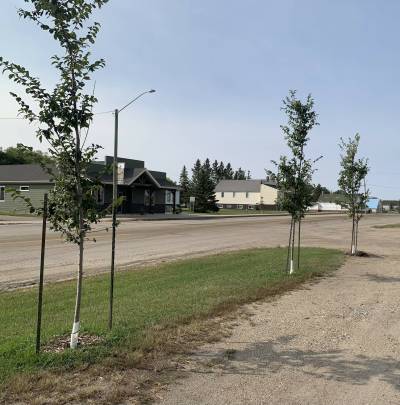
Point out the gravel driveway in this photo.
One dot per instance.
(335, 342)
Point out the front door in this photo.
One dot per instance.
(148, 200)
(122, 208)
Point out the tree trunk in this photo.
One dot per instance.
(289, 245)
(298, 245)
(352, 238)
(292, 248)
(77, 315)
(356, 238)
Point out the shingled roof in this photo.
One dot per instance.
(27, 173)
(251, 186)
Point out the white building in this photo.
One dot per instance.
(327, 206)
(246, 194)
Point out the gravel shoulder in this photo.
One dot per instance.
(334, 342)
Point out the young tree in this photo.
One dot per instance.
(294, 174)
(185, 185)
(63, 116)
(351, 178)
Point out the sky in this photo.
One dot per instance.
(221, 69)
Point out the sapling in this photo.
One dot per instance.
(63, 116)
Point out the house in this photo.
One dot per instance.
(374, 205)
(390, 205)
(144, 190)
(321, 206)
(246, 194)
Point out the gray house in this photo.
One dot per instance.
(144, 190)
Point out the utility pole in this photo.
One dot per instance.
(114, 204)
(114, 218)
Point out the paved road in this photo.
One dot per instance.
(143, 242)
(334, 342)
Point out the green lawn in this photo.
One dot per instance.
(165, 295)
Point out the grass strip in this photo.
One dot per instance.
(158, 296)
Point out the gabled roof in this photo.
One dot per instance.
(139, 172)
(34, 173)
(251, 186)
(26, 173)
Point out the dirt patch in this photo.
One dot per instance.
(61, 343)
(129, 376)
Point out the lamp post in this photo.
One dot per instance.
(114, 207)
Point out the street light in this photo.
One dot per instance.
(115, 196)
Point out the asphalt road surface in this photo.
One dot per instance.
(144, 242)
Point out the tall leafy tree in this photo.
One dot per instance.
(294, 173)
(21, 154)
(63, 116)
(351, 180)
(185, 185)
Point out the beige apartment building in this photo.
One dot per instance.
(246, 194)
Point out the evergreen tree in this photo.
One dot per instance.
(185, 185)
(204, 190)
(221, 171)
(215, 172)
(207, 167)
(239, 174)
(195, 171)
(228, 172)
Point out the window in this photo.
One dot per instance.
(24, 188)
(168, 197)
(222, 194)
(2, 193)
(240, 206)
(247, 194)
(100, 195)
(233, 194)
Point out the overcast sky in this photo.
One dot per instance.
(221, 69)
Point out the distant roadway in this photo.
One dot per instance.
(146, 242)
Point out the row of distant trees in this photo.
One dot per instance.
(22, 154)
(203, 180)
